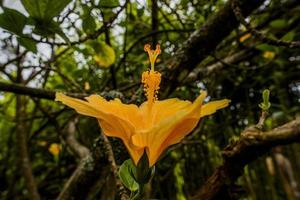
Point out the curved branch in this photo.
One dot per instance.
(69, 135)
(252, 144)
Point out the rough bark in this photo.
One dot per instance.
(24, 158)
(203, 41)
(91, 169)
(252, 144)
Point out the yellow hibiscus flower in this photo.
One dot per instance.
(154, 125)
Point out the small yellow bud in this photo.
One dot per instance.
(54, 149)
(269, 54)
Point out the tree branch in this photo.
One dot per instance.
(69, 136)
(91, 169)
(23, 153)
(252, 144)
(238, 14)
(203, 41)
(33, 92)
(114, 168)
(219, 65)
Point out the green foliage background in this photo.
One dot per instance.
(61, 45)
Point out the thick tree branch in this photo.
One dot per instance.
(91, 169)
(70, 138)
(203, 41)
(218, 66)
(252, 144)
(33, 92)
(237, 11)
(23, 153)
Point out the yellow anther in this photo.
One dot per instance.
(151, 80)
(152, 54)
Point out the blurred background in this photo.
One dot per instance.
(96, 47)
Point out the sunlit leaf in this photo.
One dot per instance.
(104, 54)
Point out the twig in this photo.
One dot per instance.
(262, 119)
(154, 20)
(138, 41)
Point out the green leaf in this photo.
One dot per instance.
(109, 3)
(50, 29)
(44, 9)
(142, 173)
(265, 47)
(28, 43)
(104, 55)
(125, 174)
(289, 36)
(12, 21)
(88, 24)
(265, 105)
(279, 24)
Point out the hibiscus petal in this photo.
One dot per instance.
(80, 106)
(174, 128)
(115, 129)
(112, 124)
(127, 112)
(153, 138)
(213, 106)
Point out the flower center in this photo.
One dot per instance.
(151, 79)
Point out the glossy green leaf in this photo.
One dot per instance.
(125, 174)
(12, 21)
(28, 43)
